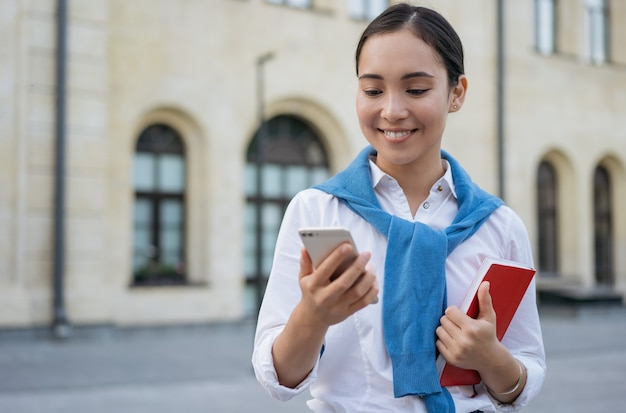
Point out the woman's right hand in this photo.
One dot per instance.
(330, 302)
(323, 303)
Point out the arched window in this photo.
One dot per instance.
(603, 234)
(284, 157)
(159, 177)
(547, 219)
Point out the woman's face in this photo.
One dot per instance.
(403, 99)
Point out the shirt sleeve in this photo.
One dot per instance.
(281, 296)
(265, 372)
(523, 337)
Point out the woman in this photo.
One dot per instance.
(424, 229)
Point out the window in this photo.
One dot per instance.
(298, 4)
(545, 26)
(367, 9)
(547, 208)
(284, 157)
(598, 31)
(159, 209)
(603, 234)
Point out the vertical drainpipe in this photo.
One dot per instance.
(60, 325)
(500, 95)
(260, 161)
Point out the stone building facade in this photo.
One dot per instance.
(174, 193)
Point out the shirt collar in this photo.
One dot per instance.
(446, 180)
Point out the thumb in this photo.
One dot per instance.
(485, 305)
(306, 265)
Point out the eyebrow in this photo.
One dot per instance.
(405, 77)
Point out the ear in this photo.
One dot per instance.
(457, 94)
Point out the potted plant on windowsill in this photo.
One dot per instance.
(155, 273)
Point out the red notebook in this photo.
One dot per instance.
(508, 284)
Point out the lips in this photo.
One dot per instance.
(397, 134)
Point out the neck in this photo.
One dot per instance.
(416, 179)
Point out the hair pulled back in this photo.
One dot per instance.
(425, 24)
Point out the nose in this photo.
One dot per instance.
(394, 107)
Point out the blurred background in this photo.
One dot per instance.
(148, 148)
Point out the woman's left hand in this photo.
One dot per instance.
(466, 342)
(472, 344)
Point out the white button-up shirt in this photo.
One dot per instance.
(354, 373)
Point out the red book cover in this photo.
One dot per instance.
(508, 284)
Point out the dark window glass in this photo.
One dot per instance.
(603, 235)
(284, 157)
(159, 179)
(547, 210)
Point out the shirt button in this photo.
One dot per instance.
(426, 205)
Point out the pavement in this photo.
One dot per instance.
(207, 368)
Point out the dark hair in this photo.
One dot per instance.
(427, 25)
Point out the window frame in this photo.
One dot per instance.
(547, 219)
(159, 140)
(282, 142)
(597, 18)
(604, 247)
(546, 27)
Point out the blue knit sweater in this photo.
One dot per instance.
(414, 294)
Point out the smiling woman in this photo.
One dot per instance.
(403, 108)
(423, 229)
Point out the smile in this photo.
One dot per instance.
(397, 135)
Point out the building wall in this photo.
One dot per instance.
(28, 102)
(193, 66)
(563, 108)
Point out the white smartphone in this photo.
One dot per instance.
(321, 241)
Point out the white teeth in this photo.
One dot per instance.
(396, 135)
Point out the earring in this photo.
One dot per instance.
(454, 107)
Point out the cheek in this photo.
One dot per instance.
(432, 112)
(365, 111)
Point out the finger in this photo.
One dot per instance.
(306, 266)
(449, 326)
(362, 287)
(443, 334)
(485, 305)
(330, 264)
(455, 315)
(370, 297)
(353, 275)
(442, 348)
(376, 288)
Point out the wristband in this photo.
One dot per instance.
(519, 381)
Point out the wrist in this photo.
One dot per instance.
(508, 386)
(307, 323)
(512, 390)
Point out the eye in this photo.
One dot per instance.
(372, 92)
(417, 92)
